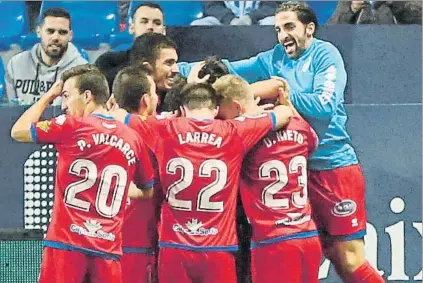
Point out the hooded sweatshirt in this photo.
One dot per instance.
(28, 78)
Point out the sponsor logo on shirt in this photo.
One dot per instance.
(92, 229)
(294, 219)
(194, 228)
(329, 85)
(344, 208)
(306, 65)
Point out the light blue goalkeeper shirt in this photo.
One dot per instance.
(317, 83)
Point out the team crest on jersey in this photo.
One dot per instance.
(44, 126)
(194, 228)
(92, 229)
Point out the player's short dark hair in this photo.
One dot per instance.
(147, 4)
(57, 13)
(197, 96)
(130, 84)
(89, 77)
(147, 47)
(214, 67)
(172, 100)
(304, 12)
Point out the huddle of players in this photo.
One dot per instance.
(198, 161)
(104, 165)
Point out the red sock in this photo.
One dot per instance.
(364, 274)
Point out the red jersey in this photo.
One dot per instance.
(141, 216)
(98, 158)
(140, 226)
(199, 164)
(274, 184)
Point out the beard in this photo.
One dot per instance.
(56, 52)
(297, 46)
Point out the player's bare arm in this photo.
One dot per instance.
(21, 130)
(283, 115)
(276, 87)
(137, 193)
(193, 74)
(269, 89)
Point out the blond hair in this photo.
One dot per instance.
(231, 87)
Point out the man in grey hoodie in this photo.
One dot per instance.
(30, 74)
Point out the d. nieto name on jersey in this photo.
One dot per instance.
(200, 137)
(194, 228)
(92, 229)
(119, 143)
(286, 135)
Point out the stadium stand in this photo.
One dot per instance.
(13, 23)
(323, 9)
(2, 72)
(177, 13)
(93, 30)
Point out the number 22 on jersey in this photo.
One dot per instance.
(186, 169)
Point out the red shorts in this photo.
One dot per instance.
(59, 266)
(291, 261)
(182, 266)
(337, 199)
(138, 267)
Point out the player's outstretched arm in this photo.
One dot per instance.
(283, 115)
(21, 130)
(253, 69)
(328, 88)
(269, 89)
(136, 193)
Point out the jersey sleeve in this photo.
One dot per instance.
(144, 175)
(252, 129)
(142, 127)
(257, 68)
(328, 88)
(313, 141)
(53, 131)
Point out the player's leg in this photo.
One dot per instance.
(216, 267)
(243, 257)
(62, 266)
(337, 198)
(173, 266)
(312, 256)
(103, 270)
(279, 262)
(137, 267)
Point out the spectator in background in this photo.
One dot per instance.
(123, 8)
(377, 12)
(30, 74)
(237, 13)
(33, 8)
(147, 17)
